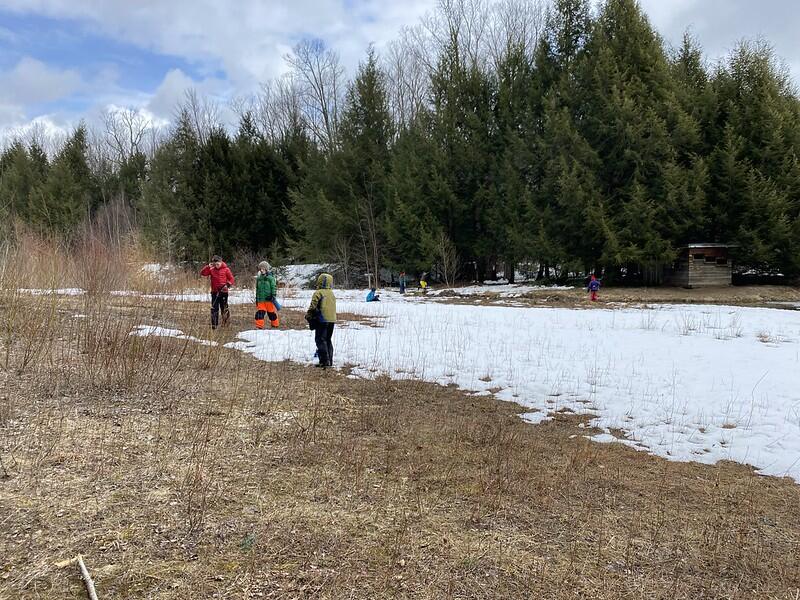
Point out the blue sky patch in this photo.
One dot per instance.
(69, 44)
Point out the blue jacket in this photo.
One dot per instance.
(593, 286)
(371, 296)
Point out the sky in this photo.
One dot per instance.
(66, 60)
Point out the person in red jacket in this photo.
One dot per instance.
(221, 282)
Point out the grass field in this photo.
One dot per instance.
(182, 470)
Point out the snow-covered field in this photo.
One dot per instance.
(686, 382)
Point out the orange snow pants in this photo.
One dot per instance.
(266, 309)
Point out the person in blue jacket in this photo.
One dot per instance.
(594, 286)
(372, 296)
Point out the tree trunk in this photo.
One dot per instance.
(510, 268)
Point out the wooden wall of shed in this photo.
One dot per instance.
(702, 274)
(679, 275)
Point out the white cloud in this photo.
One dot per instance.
(720, 24)
(246, 39)
(172, 91)
(234, 47)
(32, 81)
(48, 129)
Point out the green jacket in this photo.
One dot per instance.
(323, 302)
(266, 287)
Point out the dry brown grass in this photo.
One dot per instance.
(89, 262)
(185, 471)
(610, 297)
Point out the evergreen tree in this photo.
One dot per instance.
(170, 203)
(343, 201)
(462, 128)
(755, 178)
(366, 132)
(70, 193)
(628, 114)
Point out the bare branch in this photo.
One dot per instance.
(320, 78)
(278, 108)
(124, 130)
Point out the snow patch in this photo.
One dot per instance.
(300, 275)
(53, 292)
(685, 382)
(503, 290)
(153, 331)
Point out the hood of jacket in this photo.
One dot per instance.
(325, 281)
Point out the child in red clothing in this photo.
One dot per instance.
(594, 286)
(221, 281)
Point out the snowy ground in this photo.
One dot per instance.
(503, 290)
(300, 275)
(685, 382)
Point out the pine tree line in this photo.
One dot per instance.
(569, 140)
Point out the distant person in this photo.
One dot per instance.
(402, 282)
(266, 292)
(423, 281)
(373, 296)
(593, 288)
(321, 317)
(221, 281)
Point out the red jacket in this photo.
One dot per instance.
(219, 277)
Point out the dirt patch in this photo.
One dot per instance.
(764, 296)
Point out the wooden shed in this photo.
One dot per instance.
(701, 265)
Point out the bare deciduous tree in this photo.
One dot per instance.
(320, 79)
(408, 80)
(463, 21)
(343, 255)
(203, 114)
(368, 231)
(278, 108)
(125, 130)
(447, 256)
(514, 23)
(154, 137)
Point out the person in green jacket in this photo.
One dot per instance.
(321, 317)
(266, 290)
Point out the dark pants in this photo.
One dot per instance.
(219, 302)
(322, 336)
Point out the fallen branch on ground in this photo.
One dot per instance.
(87, 579)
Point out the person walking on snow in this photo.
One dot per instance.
(402, 282)
(321, 317)
(266, 291)
(594, 286)
(221, 281)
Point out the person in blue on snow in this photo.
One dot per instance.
(593, 287)
(372, 296)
